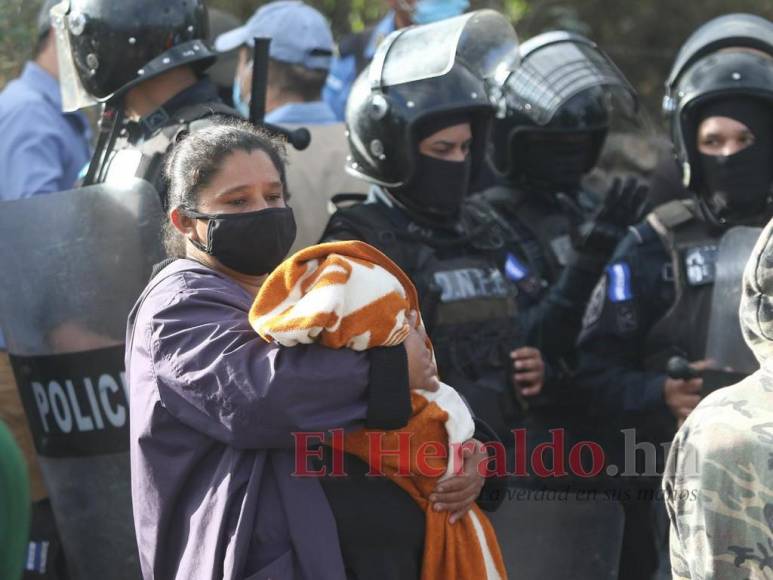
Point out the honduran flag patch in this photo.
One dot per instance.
(515, 269)
(619, 287)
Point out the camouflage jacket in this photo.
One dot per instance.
(718, 481)
(719, 486)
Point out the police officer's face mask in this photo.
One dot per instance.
(439, 186)
(737, 187)
(251, 243)
(559, 162)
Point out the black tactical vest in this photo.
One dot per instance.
(547, 244)
(693, 246)
(468, 304)
(146, 159)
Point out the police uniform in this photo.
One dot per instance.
(655, 299)
(651, 304)
(470, 279)
(540, 170)
(551, 317)
(142, 148)
(559, 224)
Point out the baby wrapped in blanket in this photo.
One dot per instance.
(350, 295)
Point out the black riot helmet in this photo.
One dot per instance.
(105, 47)
(730, 56)
(554, 110)
(417, 74)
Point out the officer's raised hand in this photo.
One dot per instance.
(624, 205)
(528, 370)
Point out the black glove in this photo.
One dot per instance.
(624, 205)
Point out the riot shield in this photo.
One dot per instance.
(73, 264)
(546, 534)
(725, 344)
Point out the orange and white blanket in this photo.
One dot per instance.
(350, 295)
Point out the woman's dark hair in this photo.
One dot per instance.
(197, 157)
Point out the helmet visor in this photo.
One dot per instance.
(483, 40)
(552, 75)
(74, 96)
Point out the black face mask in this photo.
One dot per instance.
(559, 164)
(438, 187)
(739, 185)
(252, 243)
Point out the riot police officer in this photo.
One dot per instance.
(660, 278)
(145, 61)
(656, 297)
(417, 123)
(554, 116)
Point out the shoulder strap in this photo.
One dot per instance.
(364, 220)
(344, 200)
(193, 118)
(370, 223)
(669, 216)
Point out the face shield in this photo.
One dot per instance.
(74, 96)
(484, 41)
(555, 72)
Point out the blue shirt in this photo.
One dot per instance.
(312, 113)
(343, 70)
(43, 149)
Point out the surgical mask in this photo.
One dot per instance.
(438, 188)
(252, 243)
(426, 11)
(241, 106)
(738, 186)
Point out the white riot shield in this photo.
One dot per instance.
(725, 344)
(73, 264)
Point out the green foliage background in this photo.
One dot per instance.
(642, 36)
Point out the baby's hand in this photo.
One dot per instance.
(422, 373)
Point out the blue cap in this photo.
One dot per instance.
(299, 34)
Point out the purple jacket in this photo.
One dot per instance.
(212, 412)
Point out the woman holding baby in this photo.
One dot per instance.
(214, 407)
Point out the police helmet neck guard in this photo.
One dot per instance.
(105, 47)
(565, 84)
(729, 56)
(419, 73)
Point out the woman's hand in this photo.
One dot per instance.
(457, 494)
(422, 372)
(528, 370)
